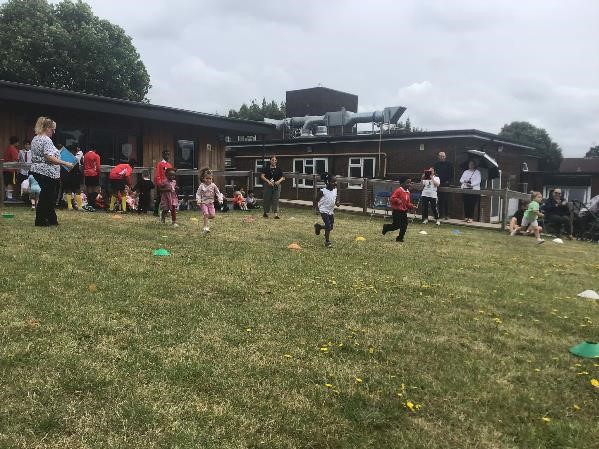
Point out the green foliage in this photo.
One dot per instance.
(259, 112)
(66, 46)
(219, 345)
(593, 152)
(527, 134)
(407, 127)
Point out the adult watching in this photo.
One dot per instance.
(444, 170)
(45, 168)
(272, 177)
(557, 214)
(470, 180)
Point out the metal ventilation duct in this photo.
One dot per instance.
(338, 118)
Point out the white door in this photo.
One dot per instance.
(496, 200)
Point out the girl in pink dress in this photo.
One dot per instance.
(168, 197)
(206, 195)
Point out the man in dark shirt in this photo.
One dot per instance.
(444, 170)
(272, 177)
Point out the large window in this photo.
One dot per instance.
(579, 193)
(360, 167)
(185, 154)
(309, 167)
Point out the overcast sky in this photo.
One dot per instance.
(453, 63)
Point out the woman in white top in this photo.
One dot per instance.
(430, 182)
(45, 168)
(470, 180)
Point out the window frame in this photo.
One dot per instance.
(258, 166)
(301, 183)
(566, 191)
(360, 165)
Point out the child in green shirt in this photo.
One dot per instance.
(532, 213)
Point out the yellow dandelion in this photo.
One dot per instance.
(249, 329)
(328, 385)
(595, 383)
(358, 380)
(546, 419)
(576, 407)
(324, 349)
(410, 405)
(287, 355)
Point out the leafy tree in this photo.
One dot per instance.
(593, 152)
(527, 134)
(66, 46)
(258, 113)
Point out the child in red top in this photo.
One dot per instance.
(168, 197)
(119, 177)
(239, 201)
(160, 177)
(401, 203)
(11, 154)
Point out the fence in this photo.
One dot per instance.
(367, 186)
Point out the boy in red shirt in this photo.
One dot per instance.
(160, 177)
(91, 173)
(401, 203)
(119, 177)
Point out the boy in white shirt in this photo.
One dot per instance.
(326, 207)
(430, 182)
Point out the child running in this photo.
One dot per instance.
(401, 203)
(326, 207)
(532, 213)
(168, 197)
(34, 191)
(206, 194)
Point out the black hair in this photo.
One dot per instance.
(174, 170)
(403, 179)
(132, 162)
(26, 141)
(92, 146)
(13, 140)
(326, 177)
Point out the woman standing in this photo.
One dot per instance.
(272, 177)
(470, 180)
(45, 168)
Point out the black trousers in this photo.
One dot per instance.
(443, 204)
(470, 203)
(425, 200)
(400, 221)
(557, 222)
(45, 215)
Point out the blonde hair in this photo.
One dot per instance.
(43, 123)
(534, 194)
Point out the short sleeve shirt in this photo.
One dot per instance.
(42, 146)
(271, 173)
(532, 211)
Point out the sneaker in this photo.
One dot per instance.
(425, 221)
(384, 231)
(264, 215)
(540, 241)
(399, 239)
(205, 229)
(328, 244)
(438, 223)
(175, 225)
(316, 229)
(277, 217)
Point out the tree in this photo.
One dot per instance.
(66, 46)
(593, 152)
(259, 113)
(528, 134)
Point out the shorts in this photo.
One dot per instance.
(328, 219)
(526, 223)
(92, 181)
(208, 209)
(71, 182)
(9, 178)
(117, 185)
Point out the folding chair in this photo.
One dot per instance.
(381, 202)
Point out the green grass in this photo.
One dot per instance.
(235, 341)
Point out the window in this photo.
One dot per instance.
(258, 170)
(578, 193)
(185, 154)
(360, 167)
(309, 167)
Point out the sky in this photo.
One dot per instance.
(455, 64)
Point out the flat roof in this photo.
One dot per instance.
(424, 135)
(27, 93)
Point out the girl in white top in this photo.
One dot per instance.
(326, 206)
(470, 179)
(430, 182)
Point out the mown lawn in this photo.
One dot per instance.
(235, 341)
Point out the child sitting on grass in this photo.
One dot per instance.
(239, 201)
(532, 213)
(401, 203)
(326, 207)
(206, 195)
(168, 197)
(250, 201)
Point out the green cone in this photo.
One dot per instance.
(161, 252)
(7, 215)
(587, 349)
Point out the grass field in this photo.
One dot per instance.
(235, 341)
